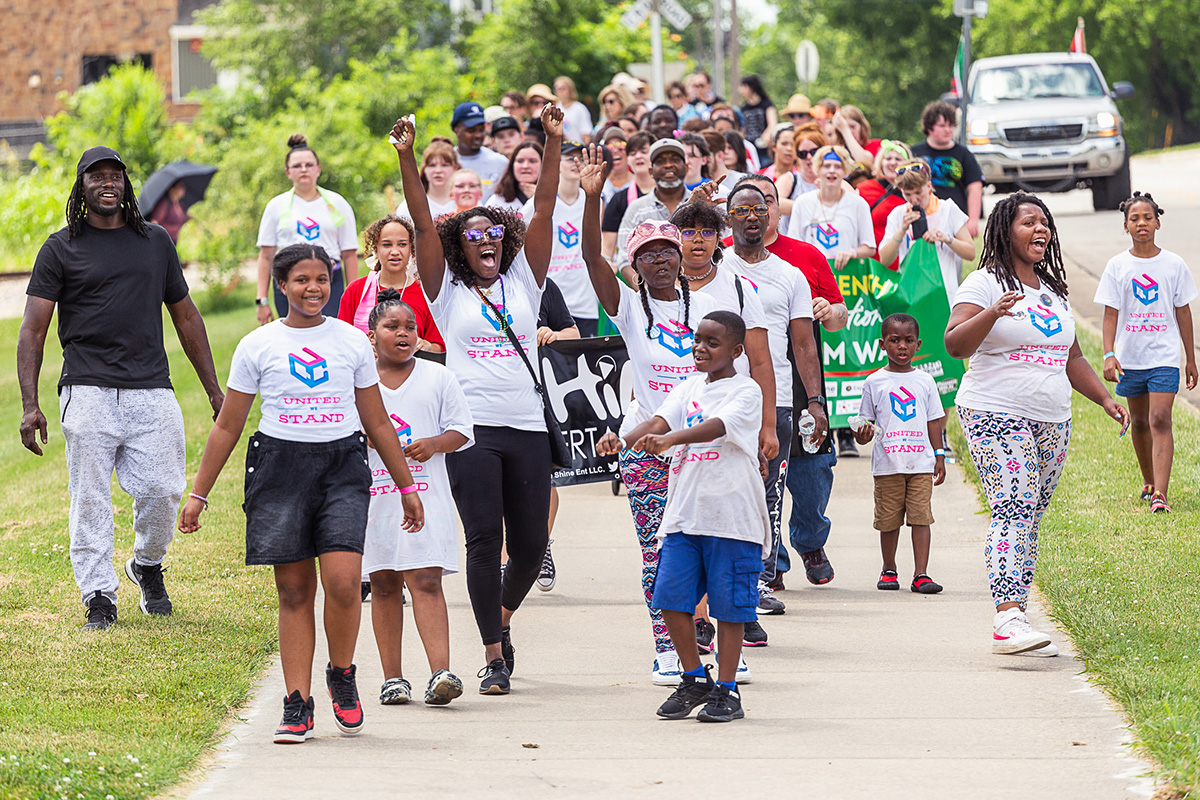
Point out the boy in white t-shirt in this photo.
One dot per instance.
(907, 411)
(715, 529)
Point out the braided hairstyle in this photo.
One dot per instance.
(77, 209)
(997, 247)
(687, 302)
(293, 254)
(386, 300)
(450, 230)
(1140, 197)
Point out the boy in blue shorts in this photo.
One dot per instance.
(715, 530)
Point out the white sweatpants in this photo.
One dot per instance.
(138, 433)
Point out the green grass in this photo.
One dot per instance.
(1125, 583)
(124, 712)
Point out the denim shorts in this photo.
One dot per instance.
(304, 499)
(727, 570)
(1137, 382)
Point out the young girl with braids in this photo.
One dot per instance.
(1145, 291)
(657, 323)
(1012, 319)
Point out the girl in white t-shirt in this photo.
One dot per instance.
(483, 271)
(439, 162)
(430, 416)
(1146, 291)
(307, 481)
(834, 219)
(945, 228)
(1012, 319)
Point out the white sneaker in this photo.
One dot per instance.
(1049, 651)
(666, 669)
(743, 671)
(1012, 634)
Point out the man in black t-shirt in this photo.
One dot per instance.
(109, 272)
(954, 172)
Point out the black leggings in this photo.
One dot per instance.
(501, 484)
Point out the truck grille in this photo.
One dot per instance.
(1044, 133)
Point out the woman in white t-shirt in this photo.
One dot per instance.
(945, 225)
(518, 183)
(577, 120)
(307, 214)
(834, 218)
(1012, 319)
(483, 272)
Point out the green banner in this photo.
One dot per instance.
(873, 291)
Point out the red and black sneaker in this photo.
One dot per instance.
(1148, 492)
(888, 581)
(1158, 504)
(923, 584)
(297, 724)
(347, 709)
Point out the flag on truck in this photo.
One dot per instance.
(1078, 45)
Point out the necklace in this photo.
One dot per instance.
(827, 213)
(692, 278)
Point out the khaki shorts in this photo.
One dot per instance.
(903, 496)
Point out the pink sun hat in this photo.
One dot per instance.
(652, 230)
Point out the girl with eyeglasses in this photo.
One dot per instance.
(483, 271)
(880, 192)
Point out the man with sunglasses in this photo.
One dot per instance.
(668, 165)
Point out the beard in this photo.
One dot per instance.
(675, 184)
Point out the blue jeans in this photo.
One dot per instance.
(810, 481)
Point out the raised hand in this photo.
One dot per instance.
(592, 170)
(552, 120)
(403, 135)
(704, 193)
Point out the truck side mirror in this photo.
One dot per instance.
(1123, 90)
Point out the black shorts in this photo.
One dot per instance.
(304, 499)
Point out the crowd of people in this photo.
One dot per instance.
(710, 236)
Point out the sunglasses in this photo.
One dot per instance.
(692, 233)
(914, 166)
(759, 209)
(805, 155)
(492, 234)
(647, 228)
(617, 145)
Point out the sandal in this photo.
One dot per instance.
(1147, 492)
(923, 584)
(1158, 504)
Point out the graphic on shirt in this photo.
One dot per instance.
(1146, 293)
(568, 235)
(309, 228)
(1045, 320)
(490, 316)
(695, 415)
(311, 373)
(944, 170)
(753, 285)
(904, 406)
(403, 430)
(827, 235)
(675, 337)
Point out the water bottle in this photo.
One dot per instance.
(859, 423)
(807, 427)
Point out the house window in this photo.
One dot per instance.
(96, 67)
(191, 71)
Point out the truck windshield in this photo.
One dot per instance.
(1035, 81)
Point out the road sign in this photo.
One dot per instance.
(675, 14)
(971, 8)
(807, 62)
(636, 14)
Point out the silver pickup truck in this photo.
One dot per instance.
(1048, 122)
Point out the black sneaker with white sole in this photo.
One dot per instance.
(343, 691)
(506, 649)
(706, 632)
(495, 677)
(101, 612)
(297, 724)
(148, 578)
(691, 692)
(724, 705)
(547, 576)
(768, 603)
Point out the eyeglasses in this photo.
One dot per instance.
(759, 209)
(661, 257)
(912, 166)
(805, 154)
(492, 234)
(692, 233)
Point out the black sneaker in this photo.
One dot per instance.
(506, 649)
(923, 584)
(149, 581)
(495, 677)
(768, 603)
(297, 724)
(817, 568)
(776, 584)
(102, 612)
(754, 635)
(547, 576)
(847, 447)
(691, 692)
(724, 705)
(888, 581)
(343, 690)
(705, 633)
(366, 590)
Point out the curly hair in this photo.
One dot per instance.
(701, 216)
(997, 247)
(293, 254)
(1141, 197)
(450, 230)
(371, 234)
(385, 301)
(77, 209)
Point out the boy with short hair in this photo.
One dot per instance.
(907, 411)
(715, 529)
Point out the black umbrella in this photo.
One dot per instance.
(195, 177)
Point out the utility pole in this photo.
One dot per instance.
(656, 56)
(718, 68)
(734, 51)
(966, 70)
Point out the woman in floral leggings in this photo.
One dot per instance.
(1012, 319)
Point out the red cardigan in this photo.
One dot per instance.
(426, 328)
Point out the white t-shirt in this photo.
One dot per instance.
(948, 219)
(715, 488)
(1021, 366)
(429, 403)
(785, 296)
(498, 387)
(514, 205)
(664, 360)
(723, 289)
(306, 376)
(902, 404)
(577, 122)
(488, 165)
(308, 222)
(831, 230)
(566, 262)
(1145, 292)
(436, 209)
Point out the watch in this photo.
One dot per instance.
(817, 398)
(263, 301)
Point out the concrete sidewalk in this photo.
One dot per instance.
(860, 693)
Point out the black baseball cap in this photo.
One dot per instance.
(94, 156)
(571, 146)
(505, 124)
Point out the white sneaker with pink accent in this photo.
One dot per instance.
(1012, 634)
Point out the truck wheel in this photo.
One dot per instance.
(1108, 193)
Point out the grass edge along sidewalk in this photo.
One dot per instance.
(128, 712)
(1125, 583)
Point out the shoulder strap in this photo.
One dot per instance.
(512, 337)
(886, 192)
(737, 284)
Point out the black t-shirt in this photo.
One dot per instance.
(553, 313)
(614, 212)
(110, 286)
(800, 395)
(951, 171)
(755, 119)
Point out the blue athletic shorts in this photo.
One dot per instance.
(1137, 382)
(727, 570)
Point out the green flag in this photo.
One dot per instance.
(958, 83)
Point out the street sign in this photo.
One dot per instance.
(807, 62)
(971, 8)
(636, 14)
(675, 14)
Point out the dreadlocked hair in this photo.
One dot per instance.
(1141, 197)
(997, 247)
(385, 301)
(77, 210)
(293, 254)
(684, 289)
(450, 231)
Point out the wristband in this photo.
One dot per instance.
(195, 496)
(1109, 354)
(412, 487)
(262, 302)
(939, 453)
(621, 441)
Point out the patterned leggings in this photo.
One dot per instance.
(1019, 462)
(645, 479)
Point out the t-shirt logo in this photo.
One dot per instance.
(1045, 320)
(568, 235)
(403, 430)
(313, 372)
(674, 337)
(827, 236)
(490, 316)
(1147, 292)
(695, 415)
(309, 228)
(944, 170)
(904, 405)
(753, 285)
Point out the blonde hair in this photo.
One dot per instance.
(624, 96)
(884, 148)
(572, 93)
(855, 113)
(913, 180)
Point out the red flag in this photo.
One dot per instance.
(1077, 43)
